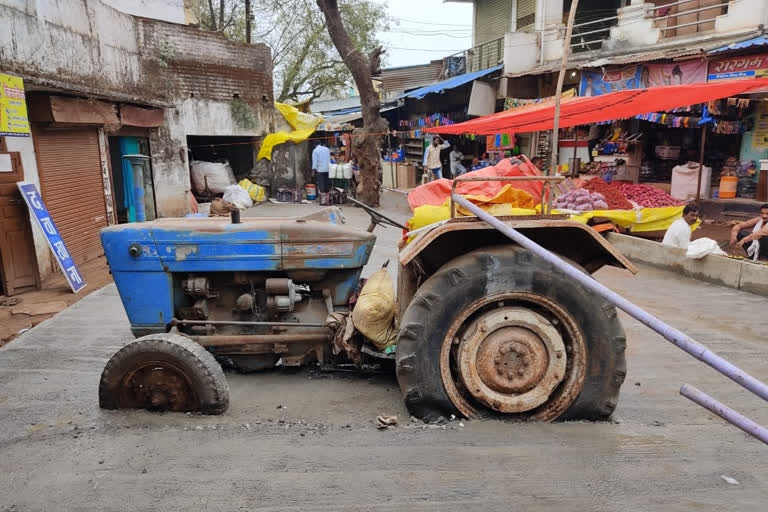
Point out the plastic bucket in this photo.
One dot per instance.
(728, 186)
(311, 191)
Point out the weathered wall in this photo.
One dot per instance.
(164, 10)
(73, 44)
(206, 73)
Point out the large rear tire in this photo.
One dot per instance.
(501, 331)
(166, 372)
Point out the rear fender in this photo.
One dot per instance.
(429, 251)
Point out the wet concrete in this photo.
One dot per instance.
(307, 441)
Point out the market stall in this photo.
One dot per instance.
(625, 202)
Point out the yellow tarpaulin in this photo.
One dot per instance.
(303, 126)
(509, 202)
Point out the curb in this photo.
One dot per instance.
(719, 270)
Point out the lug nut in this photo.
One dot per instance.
(511, 375)
(559, 355)
(520, 372)
(497, 360)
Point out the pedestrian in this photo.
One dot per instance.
(756, 240)
(455, 157)
(321, 162)
(679, 233)
(433, 156)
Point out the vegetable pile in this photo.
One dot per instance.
(646, 195)
(613, 196)
(581, 200)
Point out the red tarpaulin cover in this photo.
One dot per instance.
(593, 109)
(436, 192)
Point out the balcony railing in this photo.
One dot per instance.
(482, 56)
(589, 35)
(688, 17)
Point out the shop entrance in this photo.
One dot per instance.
(122, 176)
(18, 263)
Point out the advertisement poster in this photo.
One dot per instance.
(596, 83)
(674, 73)
(13, 108)
(760, 133)
(730, 68)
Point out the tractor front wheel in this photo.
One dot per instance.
(500, 331)
(165, 372)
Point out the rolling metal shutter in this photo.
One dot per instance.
(493, 19)
(69, 164)
(526, 15)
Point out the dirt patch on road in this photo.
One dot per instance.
(25, 310)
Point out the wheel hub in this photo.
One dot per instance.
(158, 385)
(511, 359)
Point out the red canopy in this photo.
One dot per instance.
(593, 109)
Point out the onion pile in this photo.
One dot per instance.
(580, 200)
(613, 196)
(647, 195)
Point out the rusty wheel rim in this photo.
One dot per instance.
(514, 353)
(157, 385)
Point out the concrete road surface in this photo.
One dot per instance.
(307, 441)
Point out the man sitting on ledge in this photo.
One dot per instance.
(679, 233)
(752, 235)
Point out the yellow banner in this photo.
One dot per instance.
(13, 108)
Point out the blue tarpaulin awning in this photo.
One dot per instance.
(755, 41)
(452, 82)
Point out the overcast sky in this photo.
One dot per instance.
(425, 30)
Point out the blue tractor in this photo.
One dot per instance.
(485, 327)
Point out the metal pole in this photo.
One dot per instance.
(701, 162)
(669, 333)
(558, 95)
(725, 412)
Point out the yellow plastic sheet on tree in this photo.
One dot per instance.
(303, 125)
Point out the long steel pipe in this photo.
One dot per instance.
(678, 338)
(725, 412)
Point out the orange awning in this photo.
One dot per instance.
(593, 109)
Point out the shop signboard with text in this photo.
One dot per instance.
(734, 68)
(13, 107)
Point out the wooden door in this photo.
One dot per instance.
(17, 250)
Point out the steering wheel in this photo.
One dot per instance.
(376, 217)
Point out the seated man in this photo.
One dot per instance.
(752, 235)
(679, 233)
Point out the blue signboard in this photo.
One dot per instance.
(56, 243)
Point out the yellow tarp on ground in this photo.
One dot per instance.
(303, 126)
(510, 201)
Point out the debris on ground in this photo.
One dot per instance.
(730, 480)
(44, 308)
(384, 422)
(10, 301)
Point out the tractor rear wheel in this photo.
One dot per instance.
(500, 331)
(165, 372)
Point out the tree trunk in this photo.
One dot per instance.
(365, 140)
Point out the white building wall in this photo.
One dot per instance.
(163, 10)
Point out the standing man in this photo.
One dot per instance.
(433, 156)
(679, 233)
(455, 157)
(321, 161)
(754, 241)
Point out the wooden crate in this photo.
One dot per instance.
(406, 176)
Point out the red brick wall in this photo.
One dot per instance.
(207, 65)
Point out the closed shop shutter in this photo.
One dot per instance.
(69, 164)
(526, 15)
(493, 19)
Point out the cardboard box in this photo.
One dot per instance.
(406, 176)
